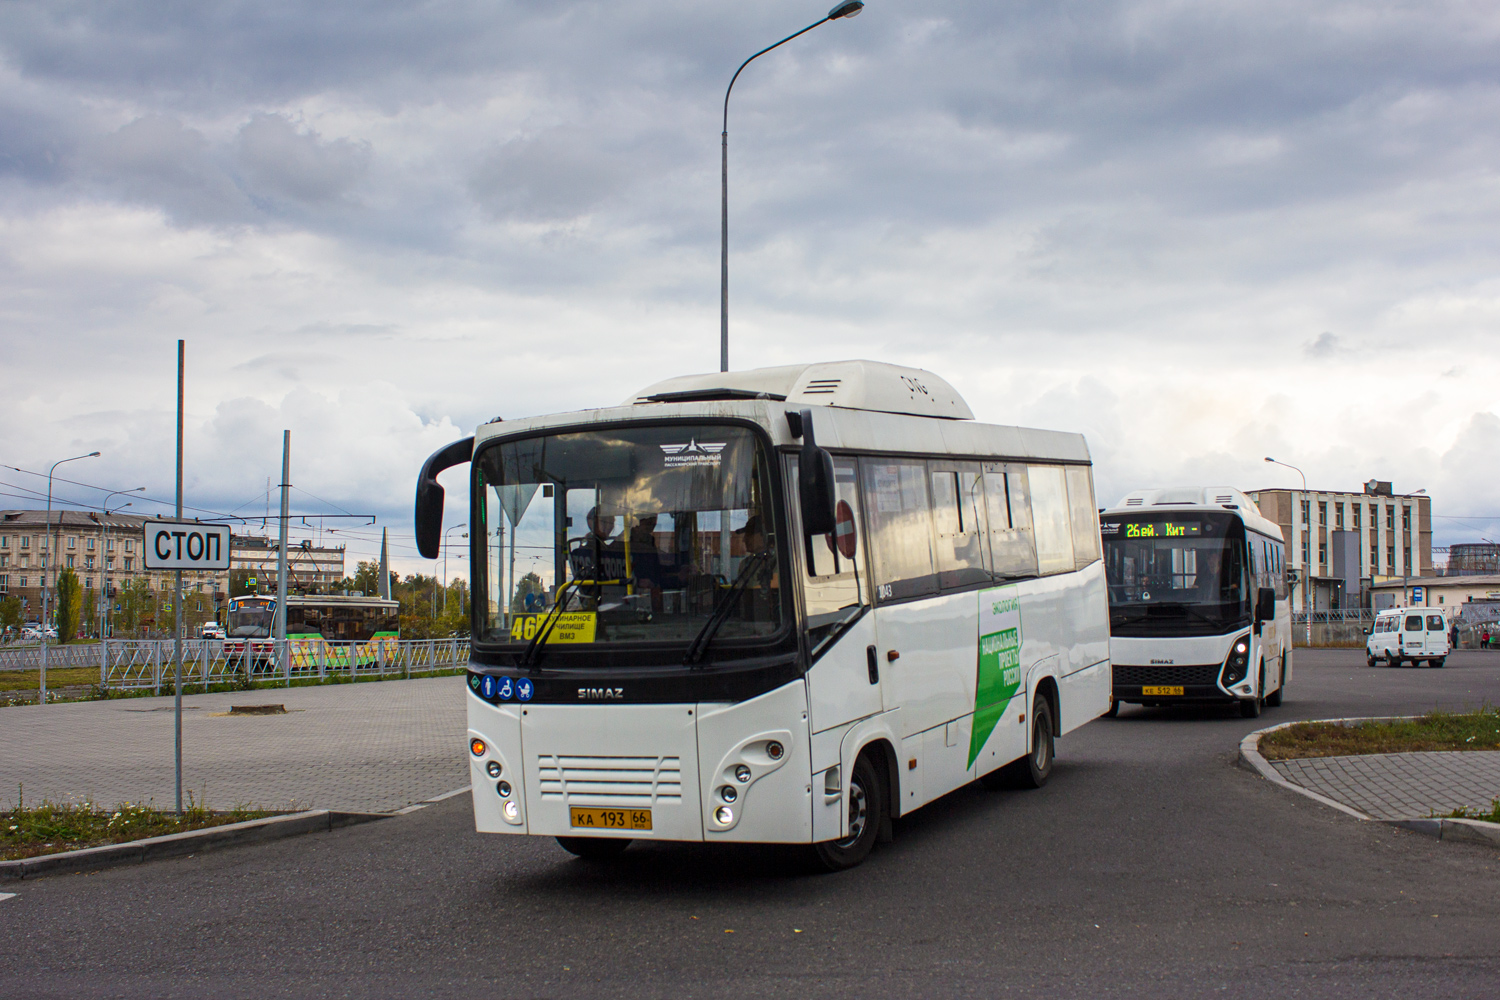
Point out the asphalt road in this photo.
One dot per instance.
(1151, 865)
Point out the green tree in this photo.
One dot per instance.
(136, 604)
(10, 612)
(69, 604)
(367, 579)
(90, 612)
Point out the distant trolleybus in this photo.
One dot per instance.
(1197, 600)
(327, 629)
(782, 605)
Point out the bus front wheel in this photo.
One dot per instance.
(594, 848)
(865, 799)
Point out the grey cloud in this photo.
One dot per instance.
(279, 160)
(1325, 345)
(158, 160)
(556, 175)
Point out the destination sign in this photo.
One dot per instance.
(1164, 529)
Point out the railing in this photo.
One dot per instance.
(139, 664)
(1358, 616)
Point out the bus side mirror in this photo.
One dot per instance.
(815, 482)
(1265, 604)
(429, 511)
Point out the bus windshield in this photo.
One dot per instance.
(250, 618)
(1177, 574)
(645, 534)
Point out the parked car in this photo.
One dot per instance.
(31, 631)
(1402, 634)
(211, 630)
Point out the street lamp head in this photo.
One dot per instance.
(1270, 459)
(850, 9)
(92, 454)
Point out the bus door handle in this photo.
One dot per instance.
(874, 667)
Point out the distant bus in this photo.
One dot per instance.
(1198, 605)
(329, 626)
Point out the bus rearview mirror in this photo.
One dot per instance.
(1265, 604)
(815, 482)
(429, 509)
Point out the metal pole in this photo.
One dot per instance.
(843, 10)
(49, 565)
(177, 606)
(286, 485)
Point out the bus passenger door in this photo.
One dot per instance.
(845, 679)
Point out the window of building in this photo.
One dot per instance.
(1307, 512)
(1322, 515)
(1406, 520)
(23, 581)
(1406, 559)
(1355, 509)
(109, 546)
(25, 541)
(4, 541)
(129, 563)
(1374, 558)
(88, 562)
(1322, 553)
(4, 581)
(1338, 516)
(1390, 558)
(1390, 519)
(129, 545)
(25, 561)
(70, 562)
(72, 541)
(1306, 548)
(88, 583)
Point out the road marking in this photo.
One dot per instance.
(7, 895)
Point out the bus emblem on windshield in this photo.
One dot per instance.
(692, 453)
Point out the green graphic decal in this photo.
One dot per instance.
(999, 668)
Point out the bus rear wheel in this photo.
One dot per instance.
(594, 848)
(1033, 770)
(865, 799)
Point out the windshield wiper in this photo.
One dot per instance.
(529, 657)
(705, 635)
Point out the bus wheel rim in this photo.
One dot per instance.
(858, 814)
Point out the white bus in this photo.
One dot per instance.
(1197, 600)
(783, 605)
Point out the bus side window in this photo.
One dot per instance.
(1008, 500)
(1049, 518)
(1084, 515)
(958, 520)
(834, 588)
(895, 494)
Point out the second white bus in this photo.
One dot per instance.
(1197, 599)
(782, 605)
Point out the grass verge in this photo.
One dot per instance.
(32, 831)
(1437, 730)
(1490, 816)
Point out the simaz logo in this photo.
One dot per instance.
(1162, 663)
(601, 694)
(692, 453)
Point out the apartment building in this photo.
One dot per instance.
(1337, 539)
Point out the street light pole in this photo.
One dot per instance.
(49, 565)
(453, 527)
(1293, 468)
(104, 554)
(850, 8)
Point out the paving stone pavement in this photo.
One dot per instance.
(1401, 785)
(372, 747)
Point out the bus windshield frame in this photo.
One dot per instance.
(1176, 573)
(658, 530)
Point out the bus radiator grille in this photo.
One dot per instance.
(611, 781)
(1131, 676)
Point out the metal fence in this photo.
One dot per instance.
(139, 664)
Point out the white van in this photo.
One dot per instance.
(1408, 634)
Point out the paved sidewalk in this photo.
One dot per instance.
(371, 747)
(1401, 785)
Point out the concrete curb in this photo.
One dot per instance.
(215, 838)
(1472, 831)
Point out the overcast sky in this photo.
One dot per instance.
(1199, 233)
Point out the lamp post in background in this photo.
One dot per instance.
(49, 565)
(104, 553)
(1293, 468)
(850, 8)
(453, 527)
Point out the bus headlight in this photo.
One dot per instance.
(493, 768)
(724, 815)
(1237, 664)
(511, 810)
(504, 789)
(728, 794)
